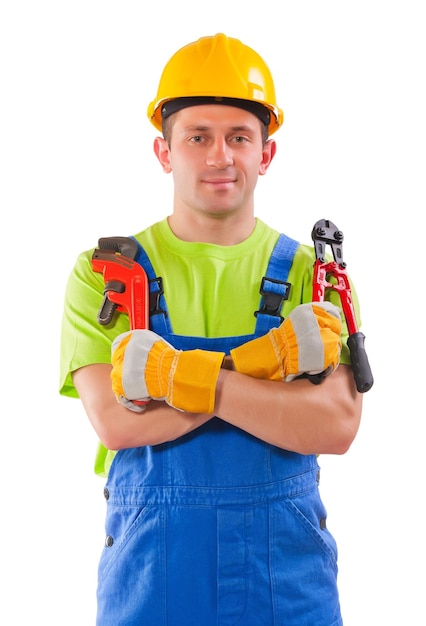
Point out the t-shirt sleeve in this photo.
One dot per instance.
(83, 340)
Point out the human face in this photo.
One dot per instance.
(216, 156)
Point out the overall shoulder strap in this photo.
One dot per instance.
(274, 288)
(159, 320)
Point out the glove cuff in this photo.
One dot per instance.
(186, 379)
(193, 382)
(259, 358)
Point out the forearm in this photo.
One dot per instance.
(297, 416)
(116, 426)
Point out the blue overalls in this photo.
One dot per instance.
(217, 528)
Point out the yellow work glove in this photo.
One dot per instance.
(145, 366)
(307, 342)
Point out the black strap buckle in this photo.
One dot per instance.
(274, 293)
(154, 297)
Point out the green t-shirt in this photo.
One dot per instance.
(210, 290)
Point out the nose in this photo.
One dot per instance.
(219, 154)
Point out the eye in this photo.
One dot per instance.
(239, 139)
(196, 139)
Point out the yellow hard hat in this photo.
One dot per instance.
(217, 69)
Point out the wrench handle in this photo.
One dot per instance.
(359, 361)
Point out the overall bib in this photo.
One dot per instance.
(217, 528)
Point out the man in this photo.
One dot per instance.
(209, 423)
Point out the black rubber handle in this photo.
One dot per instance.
(359, 361)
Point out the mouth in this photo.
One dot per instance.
(219, 182)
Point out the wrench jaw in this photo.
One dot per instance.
(125, 246)
(108, 306)
(326, 233)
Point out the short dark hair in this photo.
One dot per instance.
(258, 109)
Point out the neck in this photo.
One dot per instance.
(221, 230)
(217, 231)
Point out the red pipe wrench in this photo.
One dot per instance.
(126, 283)
(325, 232)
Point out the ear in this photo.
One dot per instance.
(162, 152)
(268, 153)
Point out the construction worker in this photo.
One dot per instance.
(209, 423)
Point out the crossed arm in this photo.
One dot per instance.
(297, 416)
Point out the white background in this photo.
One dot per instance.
(77, 164)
